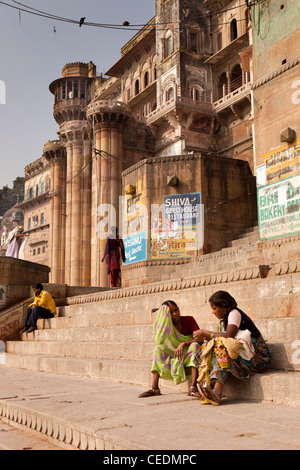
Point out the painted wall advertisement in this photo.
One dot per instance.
(282, 162)
(12, 320)
(279, 208)
(135, 239)
(176, 231)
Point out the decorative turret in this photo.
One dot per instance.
(72, 92)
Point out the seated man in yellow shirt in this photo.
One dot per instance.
(42, 307)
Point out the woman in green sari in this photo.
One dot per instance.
(175, 349)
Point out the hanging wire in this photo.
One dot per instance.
(129, 27)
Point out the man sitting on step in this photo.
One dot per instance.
(42, 307)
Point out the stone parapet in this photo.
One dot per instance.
(108, 111)
(248, 278)
(15, 277)
(18, 272)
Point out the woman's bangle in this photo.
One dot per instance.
(212, 335)
(187, 343)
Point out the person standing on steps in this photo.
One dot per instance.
(175, 349)
(42, 307)
(114, 250)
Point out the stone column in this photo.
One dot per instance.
(78, 206)
(76, 212)
(68, 255)
(107, 119)
(86, 212)
(55, 154)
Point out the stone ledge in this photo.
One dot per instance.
(282, 268)
(65, 434)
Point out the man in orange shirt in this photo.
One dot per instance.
(42, 307)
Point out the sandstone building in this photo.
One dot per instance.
(173, 120)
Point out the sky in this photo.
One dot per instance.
(33, 51)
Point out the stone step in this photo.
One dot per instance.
(239, 254)
(249, 239)
(284, 354)
(272, 329)
(95, 313)
(121, 333)
(272, 386)
(64, 328)
(131, 372)
(92, 341)
(282, 388)
(253, 229)
(252, 292)
(118, 351)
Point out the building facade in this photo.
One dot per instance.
(276, 93)
(174, 120)
(36, 210)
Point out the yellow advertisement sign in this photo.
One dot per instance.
(175, 231)
(282, 162)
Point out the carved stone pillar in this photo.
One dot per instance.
(86, 212)
(76, 138)
(107, 119)
(56, 155)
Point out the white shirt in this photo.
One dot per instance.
(234, 318)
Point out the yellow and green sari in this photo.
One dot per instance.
(167, 340)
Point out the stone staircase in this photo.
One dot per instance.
(108, 335)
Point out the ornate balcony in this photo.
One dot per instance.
(201, 106)
(233, 97)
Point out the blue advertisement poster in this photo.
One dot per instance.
(135, 240)
(135, 247)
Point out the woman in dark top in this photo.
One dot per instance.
(175, 349)
(253, 354)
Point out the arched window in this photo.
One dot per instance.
(137, 87)
(47, 183)
(222, 86)
(170, 94)
(82, 90)
(168, 44)
(127, 93)
(146, 79)
(30, 192)
(233, 29)
(63, 91)
(70, 92)
(194, 41)
(196, 93)
(219, 41)
(236, 78)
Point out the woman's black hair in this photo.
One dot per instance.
(223, 299)
(170, 302)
